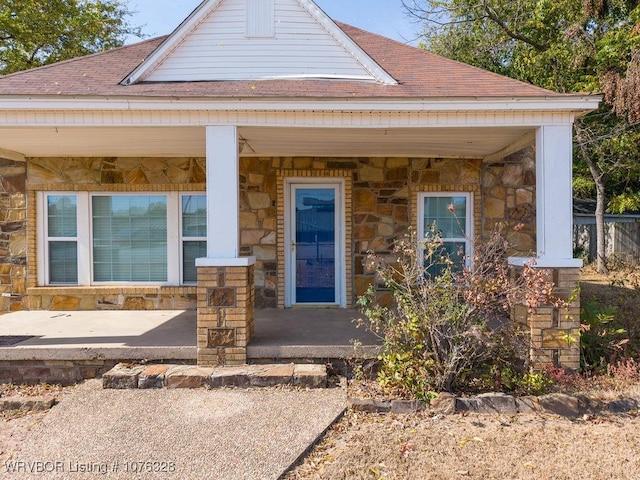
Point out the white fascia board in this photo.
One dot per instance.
(174, 39)
(576, 104)
(347, 43)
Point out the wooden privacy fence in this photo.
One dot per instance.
(622, 240)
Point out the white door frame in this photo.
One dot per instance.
(289, 224)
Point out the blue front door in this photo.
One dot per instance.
(314, 229)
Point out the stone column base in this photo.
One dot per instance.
(225, 314)
(555, 332)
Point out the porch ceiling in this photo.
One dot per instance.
(463, 142)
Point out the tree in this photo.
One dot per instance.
(607, 166)
(565, 46)
(38, 32)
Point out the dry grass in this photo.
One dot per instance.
(619, 288)
(421, 446)
(11, 390)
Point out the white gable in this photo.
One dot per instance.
(258, 40)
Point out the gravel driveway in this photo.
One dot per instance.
(185, 434)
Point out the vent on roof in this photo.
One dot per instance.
(260, 18)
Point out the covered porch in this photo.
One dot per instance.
(380, 167)
(46, 336)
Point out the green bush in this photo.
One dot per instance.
(601, 339)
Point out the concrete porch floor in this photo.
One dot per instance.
(280, 335)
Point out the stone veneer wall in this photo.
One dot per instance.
(384, 205)
(509, 197)
(111, 175)
(13, 235)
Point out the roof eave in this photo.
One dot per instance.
(579, 104)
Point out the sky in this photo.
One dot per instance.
(385, 17)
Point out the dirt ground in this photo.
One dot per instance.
(14, 430)
(15, 425)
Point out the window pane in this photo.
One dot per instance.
(191, 251)
(130, 238)
(450, 224)
(63, 262)
(450, 254)
(62, 215)
(194, 216)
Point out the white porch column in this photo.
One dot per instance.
(550, 326)
(223, 239)
(225, 280)
(223, 205)
(554, 198)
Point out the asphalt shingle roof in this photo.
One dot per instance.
(420, 74)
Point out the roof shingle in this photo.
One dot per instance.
(420, 74)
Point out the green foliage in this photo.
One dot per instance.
(601, 338)
(583, 186)
(624, 202)
(528, 383)
(34, 32)
(534, 383)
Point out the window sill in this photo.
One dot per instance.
(111, 290)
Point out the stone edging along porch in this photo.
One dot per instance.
(571, 406)
(133, 376)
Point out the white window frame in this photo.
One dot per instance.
(184, 239)
(82, 237)
(85, 235)
(469, 220)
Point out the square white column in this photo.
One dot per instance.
(554, 198)
(223, 203)
(223, 239)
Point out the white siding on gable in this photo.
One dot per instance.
(220, 49)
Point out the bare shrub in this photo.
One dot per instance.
(449, 322)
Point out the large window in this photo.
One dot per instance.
(100, 238)
(129, 238)
(450, 216)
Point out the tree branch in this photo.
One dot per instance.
(492, 15)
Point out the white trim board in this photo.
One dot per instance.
(320, 119)
(560, 104)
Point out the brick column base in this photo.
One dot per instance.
(555, 332)
(225, 314)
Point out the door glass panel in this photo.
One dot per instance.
(315, 239)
